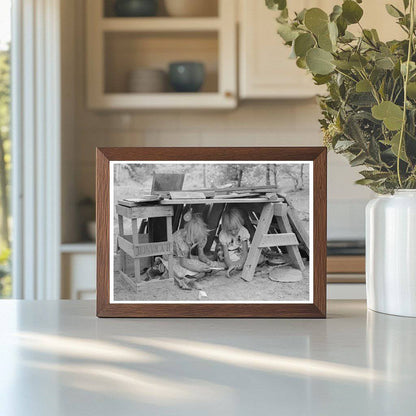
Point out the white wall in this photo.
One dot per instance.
(266, 123)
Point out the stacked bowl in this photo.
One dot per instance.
(147, 80)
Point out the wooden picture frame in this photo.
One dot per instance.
(315, 307)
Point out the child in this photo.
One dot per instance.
(186, 268)
(234, 239)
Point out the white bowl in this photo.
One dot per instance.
(146, 80)
(191, 8)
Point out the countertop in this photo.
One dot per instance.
(57, 358)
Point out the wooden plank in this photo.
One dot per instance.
(346, 264)
(153, 249)
(136, 261)
(128, 280)
(301, 232)
(345, 278)
(280, 209)
(187, 195)
(170, 241)
(254, 252)
(126, 246)
(148, 211)
(293, 251)
(216, 201)
(123, 262)
(275, 240)
(262, 189)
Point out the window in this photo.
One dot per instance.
(5, 147)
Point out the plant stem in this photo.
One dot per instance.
(406, 80)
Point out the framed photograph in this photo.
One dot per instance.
(211, 232)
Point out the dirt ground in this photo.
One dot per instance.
(218, 287)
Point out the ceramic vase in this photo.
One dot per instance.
(391, 253)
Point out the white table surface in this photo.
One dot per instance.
(56, 358)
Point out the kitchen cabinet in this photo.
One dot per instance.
(116, 46)
(265, 70)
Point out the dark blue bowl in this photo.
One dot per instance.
(186, 76)
(136, 8)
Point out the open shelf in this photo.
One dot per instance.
(211, 9)
(128, 51)
(160, 24)
(116, 46)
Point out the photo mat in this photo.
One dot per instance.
(206, 195)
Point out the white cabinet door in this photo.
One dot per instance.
(265, 68)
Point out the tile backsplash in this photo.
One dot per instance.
(285, 123)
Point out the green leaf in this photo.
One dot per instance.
(343, 145)
(319, 61)
(411, 90)
(358, 61)
(300, 17)
(303, 43)
(406, 4)
(363, 86)
(393, 11)
(316, 20)
(321, 79)
(391, 114)
(394, 144)
(336, 12)
(276, 4)
(364, 181)
(286, 32)
(375, 35)
(325, 43)
(374, 175)
(348, 37)
(358, 160)
(343, 65)
(385, 63)
(301, 63)
(342, 25)
(351, 11)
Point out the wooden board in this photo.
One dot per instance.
(186, 195)
(153, 249)
(254, 252)
(275, 240)
(153, 211)
(346, 264)
(215, 201)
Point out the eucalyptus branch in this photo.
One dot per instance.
(406, 80)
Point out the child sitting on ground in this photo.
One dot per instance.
(234, 240)
(186, 268)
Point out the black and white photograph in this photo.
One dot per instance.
(219, 232)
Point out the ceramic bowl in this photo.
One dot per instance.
(136, 8)
(191, 8)
(147, 80)
(186, 76)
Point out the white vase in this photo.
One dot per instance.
(391, 253)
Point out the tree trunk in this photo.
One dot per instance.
(267, 175)
(302, 184)
(4, 196)
(240, 177)
(204, 167)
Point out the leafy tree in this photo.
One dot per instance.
(5, 160)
